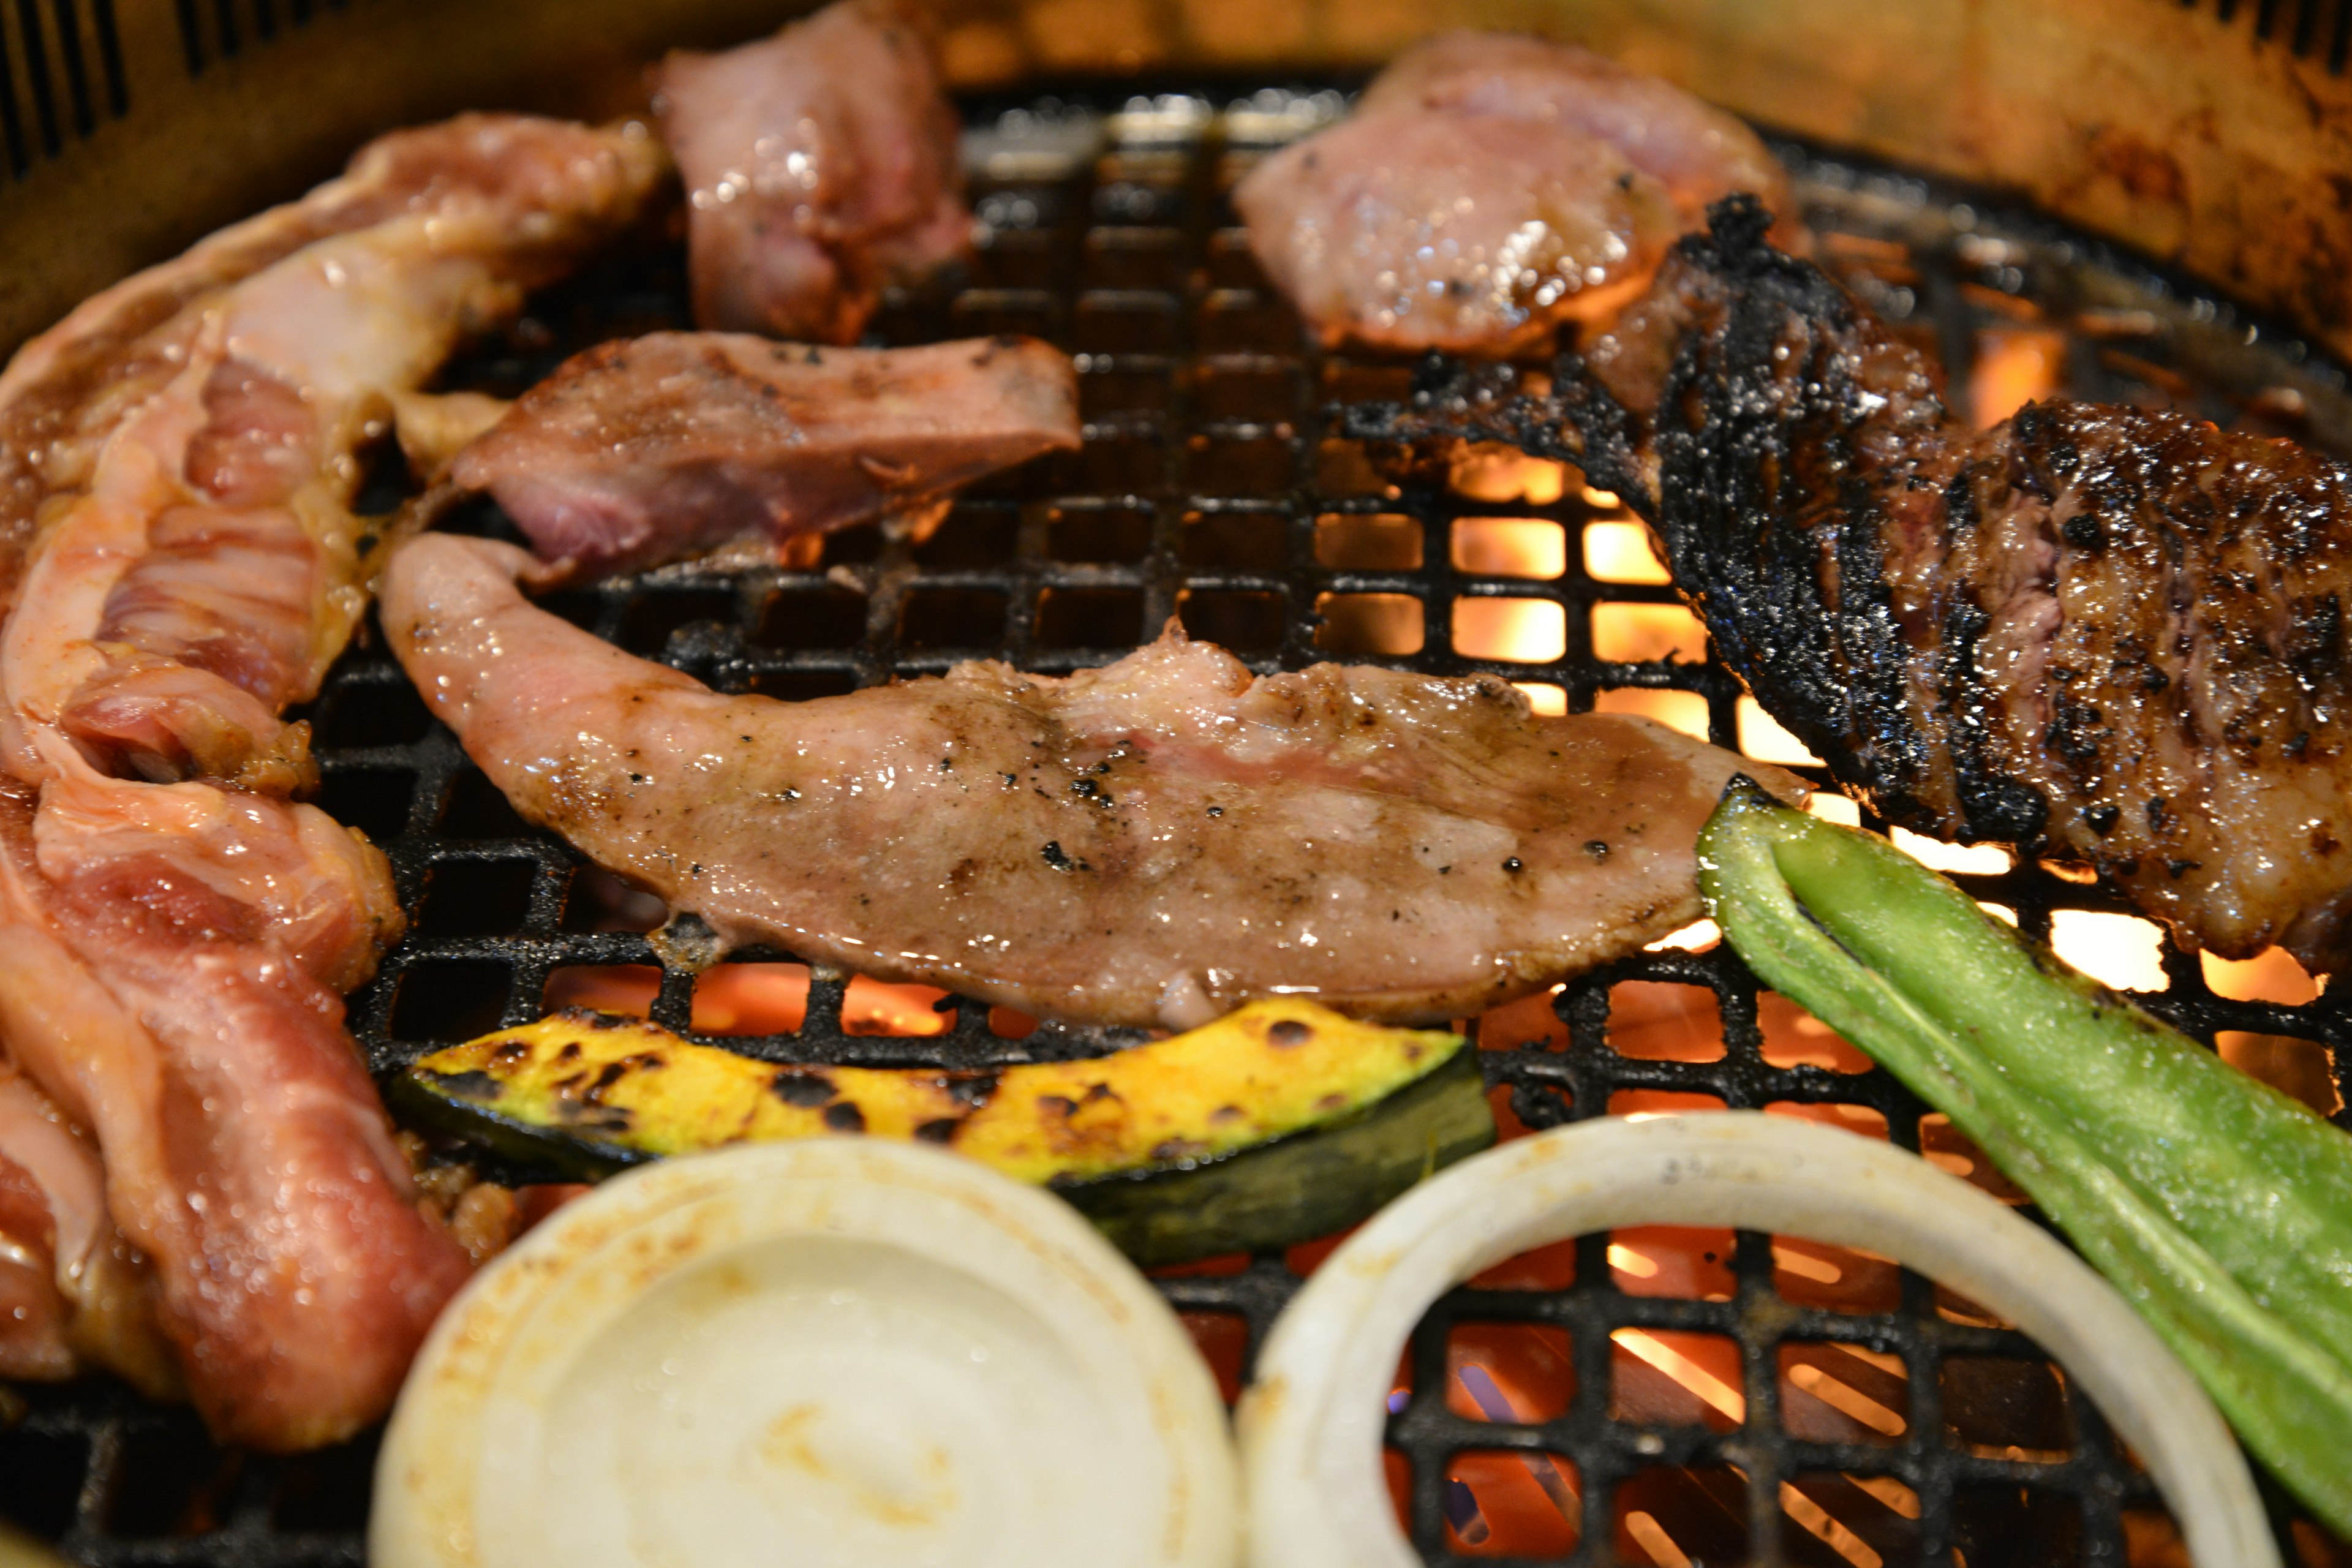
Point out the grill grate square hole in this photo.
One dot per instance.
(1132, 258)
(1244, 622)
(325, 1490)
(374, 800)
(646, 625)
(171, 1484)
(1379, 624)
(601, 901)
(41, 1479)
(1502, 1502)
(1107, 390)
(1089, 617)
(988, 313)
(1843, 1393)
(953, 618)
(1809, 1273)
(972, 536)
(1110, 463)
(748, 999)
(1513, 1373)
(626, 989)
(387, 713)
(825, 618)
(1248, 387)
(2007, 1407)
(1016, 258)
(1519, 631)
(1380, 541)
(1232, 265)
(476, 897)
(1510, 547)
(1835, 1518)
(1126, 322)
(477, 810)
(443, 1001)
(1246, 320)
(1693, 1514)
(1119, 535)
(1653, 1022)
(1243, 538)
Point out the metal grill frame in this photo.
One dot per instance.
(144, 1485)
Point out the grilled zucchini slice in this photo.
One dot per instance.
(1281, 1121)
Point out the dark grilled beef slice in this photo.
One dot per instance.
(1785, 436)
(2103, 634)
(2189, 713)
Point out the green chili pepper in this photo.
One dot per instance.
(2220, 1207)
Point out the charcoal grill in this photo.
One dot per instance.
(1710, 1398)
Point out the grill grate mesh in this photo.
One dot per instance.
(1708, 1399)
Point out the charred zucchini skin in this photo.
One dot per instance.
(1280, 1122)
(1295, 1188)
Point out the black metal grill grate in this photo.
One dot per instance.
(1749, 1397)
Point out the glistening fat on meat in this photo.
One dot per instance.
(1489, 187)
(821, 165)
(1150, 843)
(646, 450)
(170, 952)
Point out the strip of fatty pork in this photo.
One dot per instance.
(2106, 635)
(643, 450)
(1150, 843)
(73, 1292)
(167, 952)
(166, 971)
(1489, 188)
(820, 165)
(196, 563)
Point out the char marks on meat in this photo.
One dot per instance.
(640, 451)
(1489, 188)
(1150, 843)
(2109, 635)
(821, 165)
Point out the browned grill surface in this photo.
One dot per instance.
(1210, 488)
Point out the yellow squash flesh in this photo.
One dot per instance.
(1271, 1069)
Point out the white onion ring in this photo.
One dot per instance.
(1311, 1423)
(840, 1349)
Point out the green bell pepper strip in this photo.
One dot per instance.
(2220, 1208)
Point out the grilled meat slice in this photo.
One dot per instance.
(1695, 151)
(198, 563)
(166, 988)
(640, 451)
(1150, 843)
(820, 165)
(1489, 188)
(2106, 635)
(168, 951)
(73, 1292)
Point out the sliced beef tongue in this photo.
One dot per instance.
(646, 449)
(1150, 843)
(2107, 635)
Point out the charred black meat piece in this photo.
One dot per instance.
(2103, 634)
